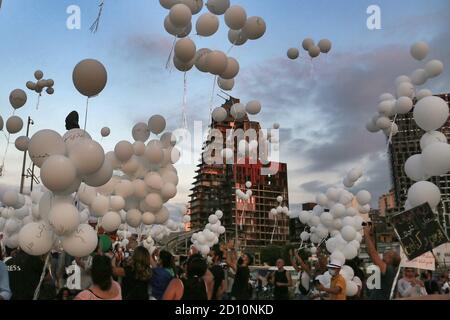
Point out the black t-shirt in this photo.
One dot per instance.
(281, 292)
(219, 276)
(194, 289)
(241, 287)
(132, 288)
(431, 286)
(24, 273)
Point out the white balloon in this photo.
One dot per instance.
(134, 218)
(436, 159)
(43, 144)
(314, 51)
(237, 37)
(419, 77)
(180, 15)
(36, 238)
(141, 132)
(405, 89)
(21, 143)
(154, 152)
(111, 221)
(432, 137)
(100, 177)
(87, 156)
(419, 50)
(105, 132)
(167, 4)
(371, 127)
(178, 32)
(324, 45)
(200, 59)
(350, 252)
(124, 151)
(64, 218)
(100, 205)
(231, 70)
(235, 17)
(154, 202)
(351, 289)
(337, 255)
(255, 28)
(422, 192)
(423, 94)
(148, 218)
(237, 111)
(72, 137)
(168, 191)
(219, 114)
(253, 107)
(333, 194)
(218, 7)
(216, 62)
(82, 242)
(194, 5)
(207, 24)
(403, 105)
(117, 203)
(157, 124)
(434, 68)
(226, 85)
(58, 173)
(348, 233)
(321, 199)
(338, 210)
(185, 50)
(10, 198)
(431, 113)
(363, 197)
(402, 79)
(414, 168)
(162, 216)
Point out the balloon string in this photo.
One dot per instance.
(231, 48)
(171, 52)
(95, 25)
(38, 288)
(38, 101)
(211, 102)
(184, 124)
(390, 133)
(2, 167)
(274, 228)
(86, 114)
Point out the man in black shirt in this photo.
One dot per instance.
(218, 272)
(24, 274)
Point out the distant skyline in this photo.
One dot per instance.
(322, 106)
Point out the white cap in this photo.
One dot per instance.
(335, 264)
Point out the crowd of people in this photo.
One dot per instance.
(114, 272)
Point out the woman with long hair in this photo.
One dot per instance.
(135, 275)
(197, 285)
(103, 287)
(164, 270)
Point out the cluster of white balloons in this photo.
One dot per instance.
(238, 111)
(336, 219)
(352, 281)
(430, 114)
(179, 24)
(406, 92)
(41, 84)
(15, 214)
(280, 209)
(204, 240)
(308, 44)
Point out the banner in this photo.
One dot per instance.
(424, 262)
(418, 231)
(442, 254)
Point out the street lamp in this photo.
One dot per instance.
(22, 181)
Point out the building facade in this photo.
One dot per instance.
(407, 143)
(215, 187)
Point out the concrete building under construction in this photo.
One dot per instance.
(407, 143)
(216, 184)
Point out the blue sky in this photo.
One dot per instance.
(134, 46)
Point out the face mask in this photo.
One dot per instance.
(209, 260)
(332, 272)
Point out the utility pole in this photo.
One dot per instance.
(22, 181)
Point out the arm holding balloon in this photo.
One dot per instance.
(304, 266)
(372, 251)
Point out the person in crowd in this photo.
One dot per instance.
(64, 294)
(444, 283)
(304, 271)
(136, 275)
(5, 291)
(431, 285)
(197, 285)
(281, 280)
(409, 286)
(24, 273)
(220, 285)
(103, 286)
(163, 264)
(388, 267)
(241, 289)
(338, 285)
